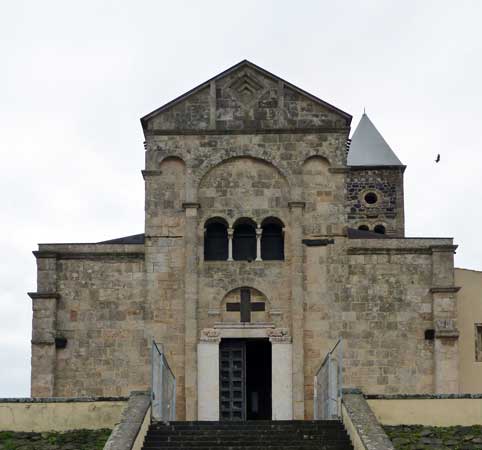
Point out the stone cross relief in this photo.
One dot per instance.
(245, 306)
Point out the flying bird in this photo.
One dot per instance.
(438, 158)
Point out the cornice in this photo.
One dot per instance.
(43, 295)
(211, 132)
(89, 255)
(445, 289)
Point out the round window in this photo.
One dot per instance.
(371, 198)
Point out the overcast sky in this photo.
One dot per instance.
(76, 76)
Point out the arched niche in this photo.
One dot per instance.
(319, 192)
(245, 304)
(272, 239)
(171, 190)
(216, 239)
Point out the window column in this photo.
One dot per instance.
(230, 243)
(259, 232)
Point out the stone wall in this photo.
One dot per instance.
(376, 295)
(249, 145)
(388, 210)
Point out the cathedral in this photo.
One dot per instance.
(269, 235)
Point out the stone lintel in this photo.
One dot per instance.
(445, 289)
(43, 295)
(150, 173)
(293, 205)
(443, 248)
(342, 130)
(191, 205)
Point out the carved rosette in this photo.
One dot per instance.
(279, 336)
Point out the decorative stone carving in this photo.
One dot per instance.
(247, 89)
(279, 335)
(210, 335)
(446, 328)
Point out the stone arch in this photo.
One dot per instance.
(233, 298)
(213, 162)
(272, 239)
(243, 186)
(171, 160)
(216, 239)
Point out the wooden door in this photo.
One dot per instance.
(232, 376)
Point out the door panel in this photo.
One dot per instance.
(232, 375)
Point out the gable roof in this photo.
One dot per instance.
(368, 148)
(133, 239)
(245, 63)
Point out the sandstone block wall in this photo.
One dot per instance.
(249, 145)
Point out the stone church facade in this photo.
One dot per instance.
(264, 229)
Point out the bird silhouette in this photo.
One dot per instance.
(438, 158)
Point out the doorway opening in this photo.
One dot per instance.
(245, 379)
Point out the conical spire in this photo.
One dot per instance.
(368, 148)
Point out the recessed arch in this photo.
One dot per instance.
(172, 160)
(244, 239)
(258, 305)
(216, 239)
(380, 229)
(245, 221)
(211, 164)
(317, 160)
(272, 239)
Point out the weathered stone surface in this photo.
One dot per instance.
(70, 440)
(362, 424)
(405, 437)
(249, 145)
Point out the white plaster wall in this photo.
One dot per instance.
(208, 380)
(281, 379)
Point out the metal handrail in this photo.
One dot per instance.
(328, 386)
(330, 352)
(163, 387)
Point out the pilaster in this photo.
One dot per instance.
(444, 306)
(297, 314)
(44, 317)
(190, 302)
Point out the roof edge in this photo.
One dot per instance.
(201, 86)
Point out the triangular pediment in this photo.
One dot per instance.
(245, 97)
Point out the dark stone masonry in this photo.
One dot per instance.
(418, 437)
(69, 440)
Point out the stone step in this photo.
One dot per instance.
(250, 435)
(205, 435)
(318, 446)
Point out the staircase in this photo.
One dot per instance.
(253, 435)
